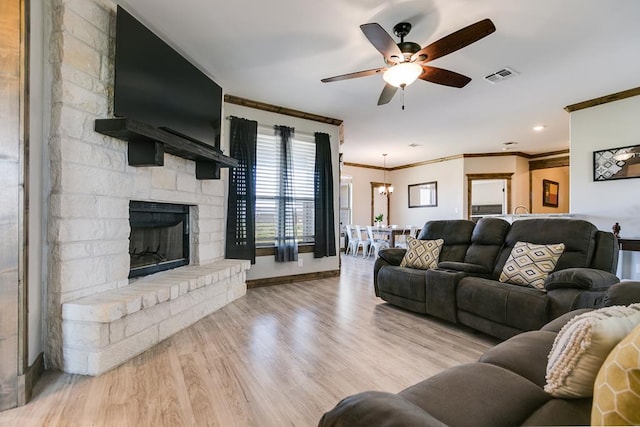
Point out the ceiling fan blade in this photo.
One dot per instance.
(443, 77)
(382, 41)
(455, 41)
(387, 94)
(354, 75)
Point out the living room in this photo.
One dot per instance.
(77, 239)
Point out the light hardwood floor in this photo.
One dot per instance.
(280, 356)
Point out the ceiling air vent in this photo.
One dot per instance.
(501, 75)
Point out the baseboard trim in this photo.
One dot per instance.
(29, 379)
(282, 280)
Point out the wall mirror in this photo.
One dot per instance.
(423, 195)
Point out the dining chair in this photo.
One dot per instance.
(375, 244)
(352, 240)
(409, 230)
(364, 243)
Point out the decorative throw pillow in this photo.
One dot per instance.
(530, 264)
(616, 394)
(581, 347)
(422, 254)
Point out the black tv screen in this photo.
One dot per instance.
(156, 85)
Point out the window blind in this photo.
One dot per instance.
(268, 167)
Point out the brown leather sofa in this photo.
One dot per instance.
(504, 388)
(465, 288)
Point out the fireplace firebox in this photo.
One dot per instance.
(159, 238)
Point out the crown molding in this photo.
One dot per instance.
(603, 100)
(244, 102)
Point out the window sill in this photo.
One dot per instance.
(271, 250)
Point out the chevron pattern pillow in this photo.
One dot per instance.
(530, 264)
(422, 254)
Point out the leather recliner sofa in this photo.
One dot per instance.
(465, 289)
(504, 388)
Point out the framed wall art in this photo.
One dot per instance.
(616, 163)
(550, 191)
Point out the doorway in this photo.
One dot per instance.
(488, 194)
(379, 202)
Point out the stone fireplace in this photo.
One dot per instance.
(97, 316)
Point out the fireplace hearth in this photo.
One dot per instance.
(159, 238)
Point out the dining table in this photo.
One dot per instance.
(390, 232)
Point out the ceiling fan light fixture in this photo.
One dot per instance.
(402, 74)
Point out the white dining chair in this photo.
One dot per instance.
(375, 244)
(364, 243)
(401, 241)
(352, 240)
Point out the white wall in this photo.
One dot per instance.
(450, 178)
(604, 203)
(361, 179)
(38, 170)
(266, 266)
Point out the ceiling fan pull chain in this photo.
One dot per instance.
(403, 86)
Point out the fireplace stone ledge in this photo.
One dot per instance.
(104, 330)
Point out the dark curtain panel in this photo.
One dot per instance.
(286, 243)
(241, 235)
(325, 241)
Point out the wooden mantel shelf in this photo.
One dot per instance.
(147, 145)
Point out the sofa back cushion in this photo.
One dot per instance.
(456, 234)
(606, 252)
(578, 236)
(486, 242)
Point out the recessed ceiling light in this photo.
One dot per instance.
(539, 128)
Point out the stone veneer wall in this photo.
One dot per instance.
(91, 182)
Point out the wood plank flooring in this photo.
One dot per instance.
(280, 356)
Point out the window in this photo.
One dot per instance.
(268, 167)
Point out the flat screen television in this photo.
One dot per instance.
(157, 86)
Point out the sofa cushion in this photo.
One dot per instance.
(525, 354)
(529, 264)
(582, 346)
(456, 234)
(486, 241)
(403, 282)
(577, 235)
(422, 254)
(616, 394)
(477, 394)
(561, 412)
(520, 307)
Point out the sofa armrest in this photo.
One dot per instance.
(377, 408)
(393, 256)
(580, 278)
(623, 293)
(464, 267)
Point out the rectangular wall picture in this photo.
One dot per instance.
(550, 191)
(616, 163)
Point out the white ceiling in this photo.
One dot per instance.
(276, 51)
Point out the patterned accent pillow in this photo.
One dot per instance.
(581, 347)
(530, 264)
(422, 254)
(616, 393)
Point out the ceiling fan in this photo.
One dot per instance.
(406, 60)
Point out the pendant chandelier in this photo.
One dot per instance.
(385, 189)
